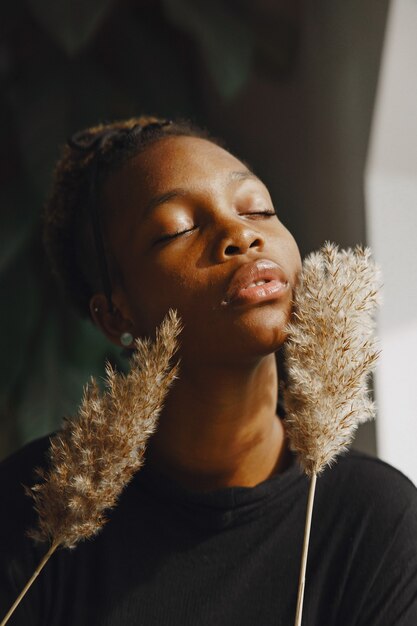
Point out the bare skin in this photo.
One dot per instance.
(219, 426)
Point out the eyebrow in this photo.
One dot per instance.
(161, 198)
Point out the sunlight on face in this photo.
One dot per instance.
(185, 216)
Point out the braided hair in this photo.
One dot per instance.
(72, 218)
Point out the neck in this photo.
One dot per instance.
(219, 427)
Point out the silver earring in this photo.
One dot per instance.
(126, 339)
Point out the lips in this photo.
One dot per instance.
(256, 281)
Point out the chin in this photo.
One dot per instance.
(251, 335)
(261, 340)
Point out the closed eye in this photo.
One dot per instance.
(174, 235)
(170, 236)
(268, 213)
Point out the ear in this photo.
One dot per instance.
(112, 323)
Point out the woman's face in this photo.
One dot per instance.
(185, 216)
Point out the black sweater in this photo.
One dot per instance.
(171, 557)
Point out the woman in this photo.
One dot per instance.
(148, 215)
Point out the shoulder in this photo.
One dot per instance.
(377, 514)
(364, 496)
(21, 465)
(365, 515)
(363, 483)
(19, 555)
(370, 480)
(17, 472)
(24, 457)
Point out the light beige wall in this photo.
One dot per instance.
(391, 185)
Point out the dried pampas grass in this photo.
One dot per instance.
(96, 454)
(330, 352)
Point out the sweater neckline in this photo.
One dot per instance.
(221, 507)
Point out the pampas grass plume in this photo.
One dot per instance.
(96, 454)
(330, 352)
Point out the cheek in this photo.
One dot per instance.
(155, 289)
(290, 254)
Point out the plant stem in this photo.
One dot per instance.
(26, 588)
(302, 581)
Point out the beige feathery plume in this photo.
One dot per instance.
(96, 454)
(330, 352)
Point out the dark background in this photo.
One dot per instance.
(289, 85)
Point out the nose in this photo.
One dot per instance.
(236, 238)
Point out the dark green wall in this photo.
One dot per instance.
(289, 85)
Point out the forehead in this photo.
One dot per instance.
(187, 162)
